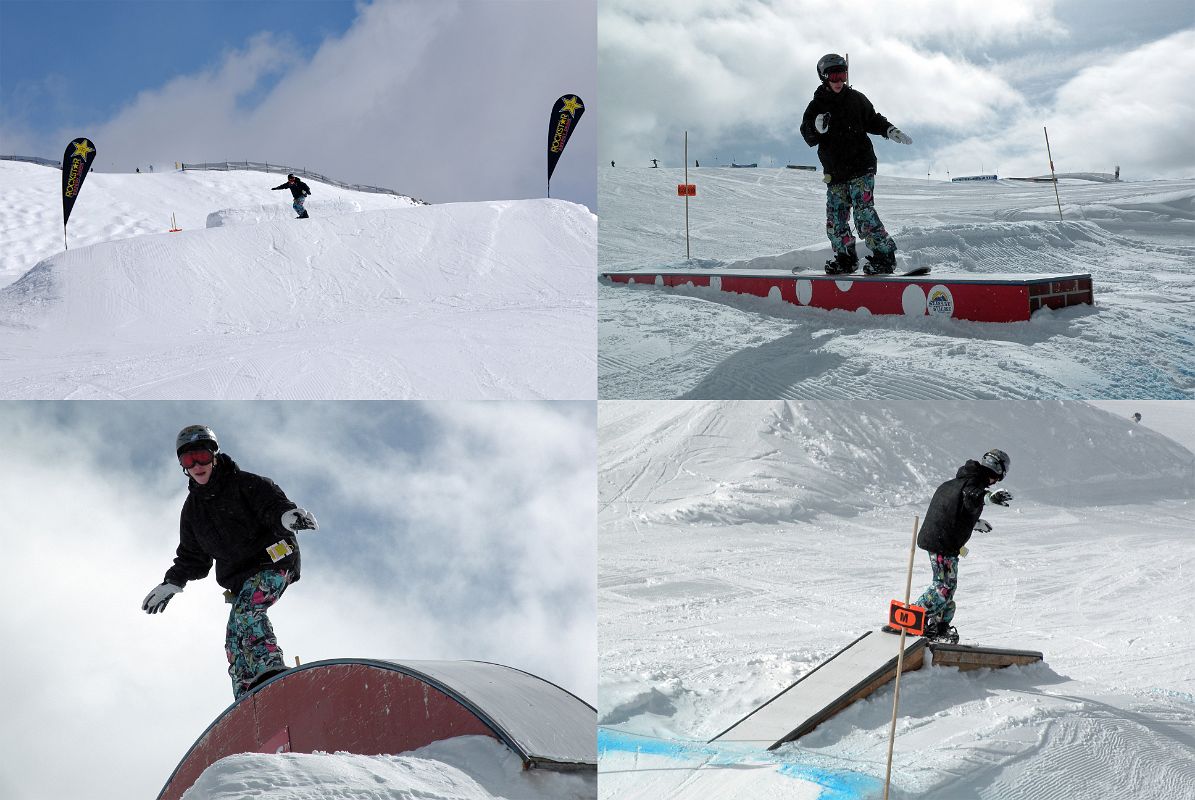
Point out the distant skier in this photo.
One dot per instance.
(246, 525)
(837, 122)
(954, 512)
(299, 191)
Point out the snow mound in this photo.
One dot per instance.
(467, 300)
(465, 768)
(251, 215)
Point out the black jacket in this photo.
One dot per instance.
(954, 510)
(232, 520)
(297, 189)
(844, 150)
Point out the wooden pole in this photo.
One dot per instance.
(1054, 177)
(900, 662)
(686, 196)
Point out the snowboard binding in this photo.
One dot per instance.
(843, 263)
(880, 264)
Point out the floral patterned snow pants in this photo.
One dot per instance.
(938, 598)
(250, 644)
(841, 198)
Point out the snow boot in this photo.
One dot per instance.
(843, 263)
(880, 264)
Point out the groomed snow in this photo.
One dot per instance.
(1136, 239)
(465, 768)
(394, 300)
(743, 543)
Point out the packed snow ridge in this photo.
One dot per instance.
(374, 296)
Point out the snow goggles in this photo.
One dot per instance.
(193, 457)
(836, 75)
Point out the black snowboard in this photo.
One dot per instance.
(907, 274)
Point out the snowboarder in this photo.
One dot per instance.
(246, 525)
(299, 191)
(837, 122)
(954, 512)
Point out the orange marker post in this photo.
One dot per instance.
(904, 616)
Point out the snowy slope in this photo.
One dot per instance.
(469, 300)
(1136, 239)
(120, 206)
(743, 543)
(465, 768)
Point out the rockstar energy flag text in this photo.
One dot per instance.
(75, 163)
(565, 116)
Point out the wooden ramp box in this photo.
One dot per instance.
(851, 674)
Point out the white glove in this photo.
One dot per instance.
(155, 602)
(822, 122)
(983, 526)
(895, 135)
(299, 519)
(962, 551)
(1000, 497)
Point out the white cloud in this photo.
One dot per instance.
(445, 101)
(971, 83)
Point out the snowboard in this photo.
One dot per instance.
(906, 274)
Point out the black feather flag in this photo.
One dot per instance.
(76, 161)
(565, 116)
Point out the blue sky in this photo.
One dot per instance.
(157, 41)
(973, 84)
(447, 531)
(445, 101)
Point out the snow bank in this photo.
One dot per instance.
(465, 768)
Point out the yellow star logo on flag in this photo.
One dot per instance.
(82, 150)
(571, 104)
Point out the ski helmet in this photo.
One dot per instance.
(193, 437)
(828, 62)
(997, 461)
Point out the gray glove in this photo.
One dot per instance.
(983, 526)
(1000, 497)
(299, 519)
(155, 602)
(895, 135)
(822, 122)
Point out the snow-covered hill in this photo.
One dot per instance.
(375, 297)
(1136, 239)
(743, 543)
